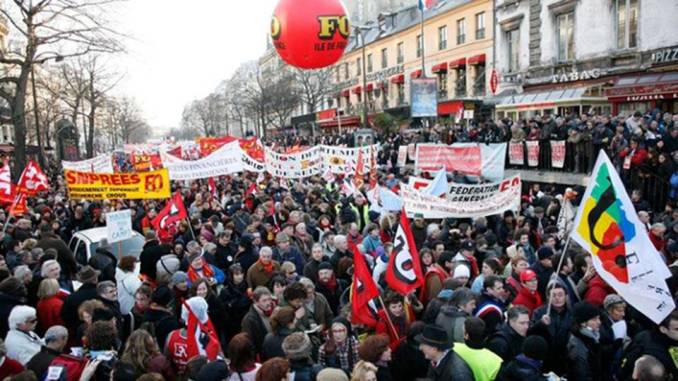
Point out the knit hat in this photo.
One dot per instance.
(584, 311)
(461, 271)
(611, 300)
(281, 237)
(331, 374)
(544, 252)
(199, 308)
(325, 266)
(527, 275)
(297, 346)
(162, 296)
(535, 347)
(215, 370)
(178, 277)
(88, 274)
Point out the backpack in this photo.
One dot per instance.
(65, 368)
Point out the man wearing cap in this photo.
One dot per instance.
(88, 290)
(543, 268)
(329, 286)
(583, 350)
(286, 252)
(55, 340)
(445, 363)
(528, 295)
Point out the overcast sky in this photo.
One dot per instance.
(182, 49)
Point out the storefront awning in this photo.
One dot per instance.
(346, 93)
(369, 87)
(326, 114)
(440, 68)
(646, 87)
(357, 90)
(476, 60)
(400, 78)
(547, 99)
(457, 63)
(346, 121)
(415, 74)
(450, 107)
(381, 85)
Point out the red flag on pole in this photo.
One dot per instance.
(7, 188)
(363, 290)
(404, 273)
(373, 169)
(18, 207)
(32, 180)
(213, 187)
(359, 177)
(172, 213)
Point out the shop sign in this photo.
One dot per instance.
(576, 76)
(385, 74)
(664, 56)
(652, 97)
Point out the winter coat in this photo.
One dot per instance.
(41, 361)
(65, 256)
(237, 303)
(257, 276)
(272, 345)
(653, 343)
(69, 311)
(556, 334)
(22, 346)
(583, 358)
(292, 255)
(304, 370)
(164, 322)
(506, 343)
(128, 283)
(49, 313)
(451, 367)
(452, 319)
(597, 291)
(254, 326)
(149, 256)
(521, 369)
(491, 310)
(408, 362)
(528, 299)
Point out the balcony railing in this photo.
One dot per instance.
(480, 34)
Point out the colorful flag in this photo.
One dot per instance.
(373, 169)
(363, 290)
(427, 4)
(608, 227)
(7, 188)
(359, 176)
(32, 180)
(173, 212)
(437, 187)
(404, 273)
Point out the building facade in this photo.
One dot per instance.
(578, 56)
(363, 11)
(457, 50)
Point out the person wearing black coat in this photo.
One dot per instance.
(658, 343)
(282, 325)
(150, 255)
(235, 299)
(246, 255)
(104, 261)
(225, 253)
(64, 256)
(12, 294)
(528, 365)
(408, 362)
(69, 311)
(555, 329)
(507, 341)
(159, 316)
(256, 321)
(583, 350)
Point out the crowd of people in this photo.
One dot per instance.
(256, 284)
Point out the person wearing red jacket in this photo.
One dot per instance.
(49, 305)
(528, 296)
(597, 291)
(395, 320)
(634, 156)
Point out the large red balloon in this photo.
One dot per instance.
(310, 34)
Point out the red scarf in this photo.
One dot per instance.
(207, 272)
(213, 348)
(267, 268)
(330, 284)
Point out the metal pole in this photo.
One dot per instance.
(364, 94)
(423, 50)
(555, 274)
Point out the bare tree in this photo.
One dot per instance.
(128, 121)
(99, 82)
(51, 30)
(313, 85)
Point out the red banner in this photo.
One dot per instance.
(467, 160)
(557, 153)
(532, 153)
(252, 146)
(516, 153)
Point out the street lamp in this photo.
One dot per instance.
(360, 30)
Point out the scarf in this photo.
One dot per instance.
(267, 268)
(206, 270)
(330, 284)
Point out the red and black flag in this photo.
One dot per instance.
(404, 273)
(172, 213)
(363, 290)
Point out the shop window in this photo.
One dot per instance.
(401, 94)
(359, 66)
(479, 84)
(460, 90)
(420, 46)
(627, 23)
(384, 58)
(442, 85)
(369, 63)
(565, 35)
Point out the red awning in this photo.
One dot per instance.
(450, 107)
(357, 90)
(646, 87)
(416, 74)
(458, 62)
(346, 93)
(400, 78)
(475, 60)
(326, 114)
(441, 67)
(381, 85)
(346, 121)
(369, 87)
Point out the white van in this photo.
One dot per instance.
(84, 243)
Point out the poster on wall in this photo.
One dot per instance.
(424, 96)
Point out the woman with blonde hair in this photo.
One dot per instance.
(49, 305)
(141, 351)
(85, 313)
(364, 371)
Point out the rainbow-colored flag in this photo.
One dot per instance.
(608, 227)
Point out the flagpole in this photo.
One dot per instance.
(388, 318)
(190, 226)
(555, 274)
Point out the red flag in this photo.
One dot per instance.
(363, 290)
(404, 273)
(32, 180)
(7, 188)
(176, 152)
(373, 169)
(213, 186)
(18, 207)
(359, 177)
(172, 213)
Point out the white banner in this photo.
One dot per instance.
(557, 153)
(486, 160)
(119, 226)
(464, 200)
(224, 161)
(402, 156)
(251, 165)
(532, 153)
(344, 160)
(296, 165)
(100, 164)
